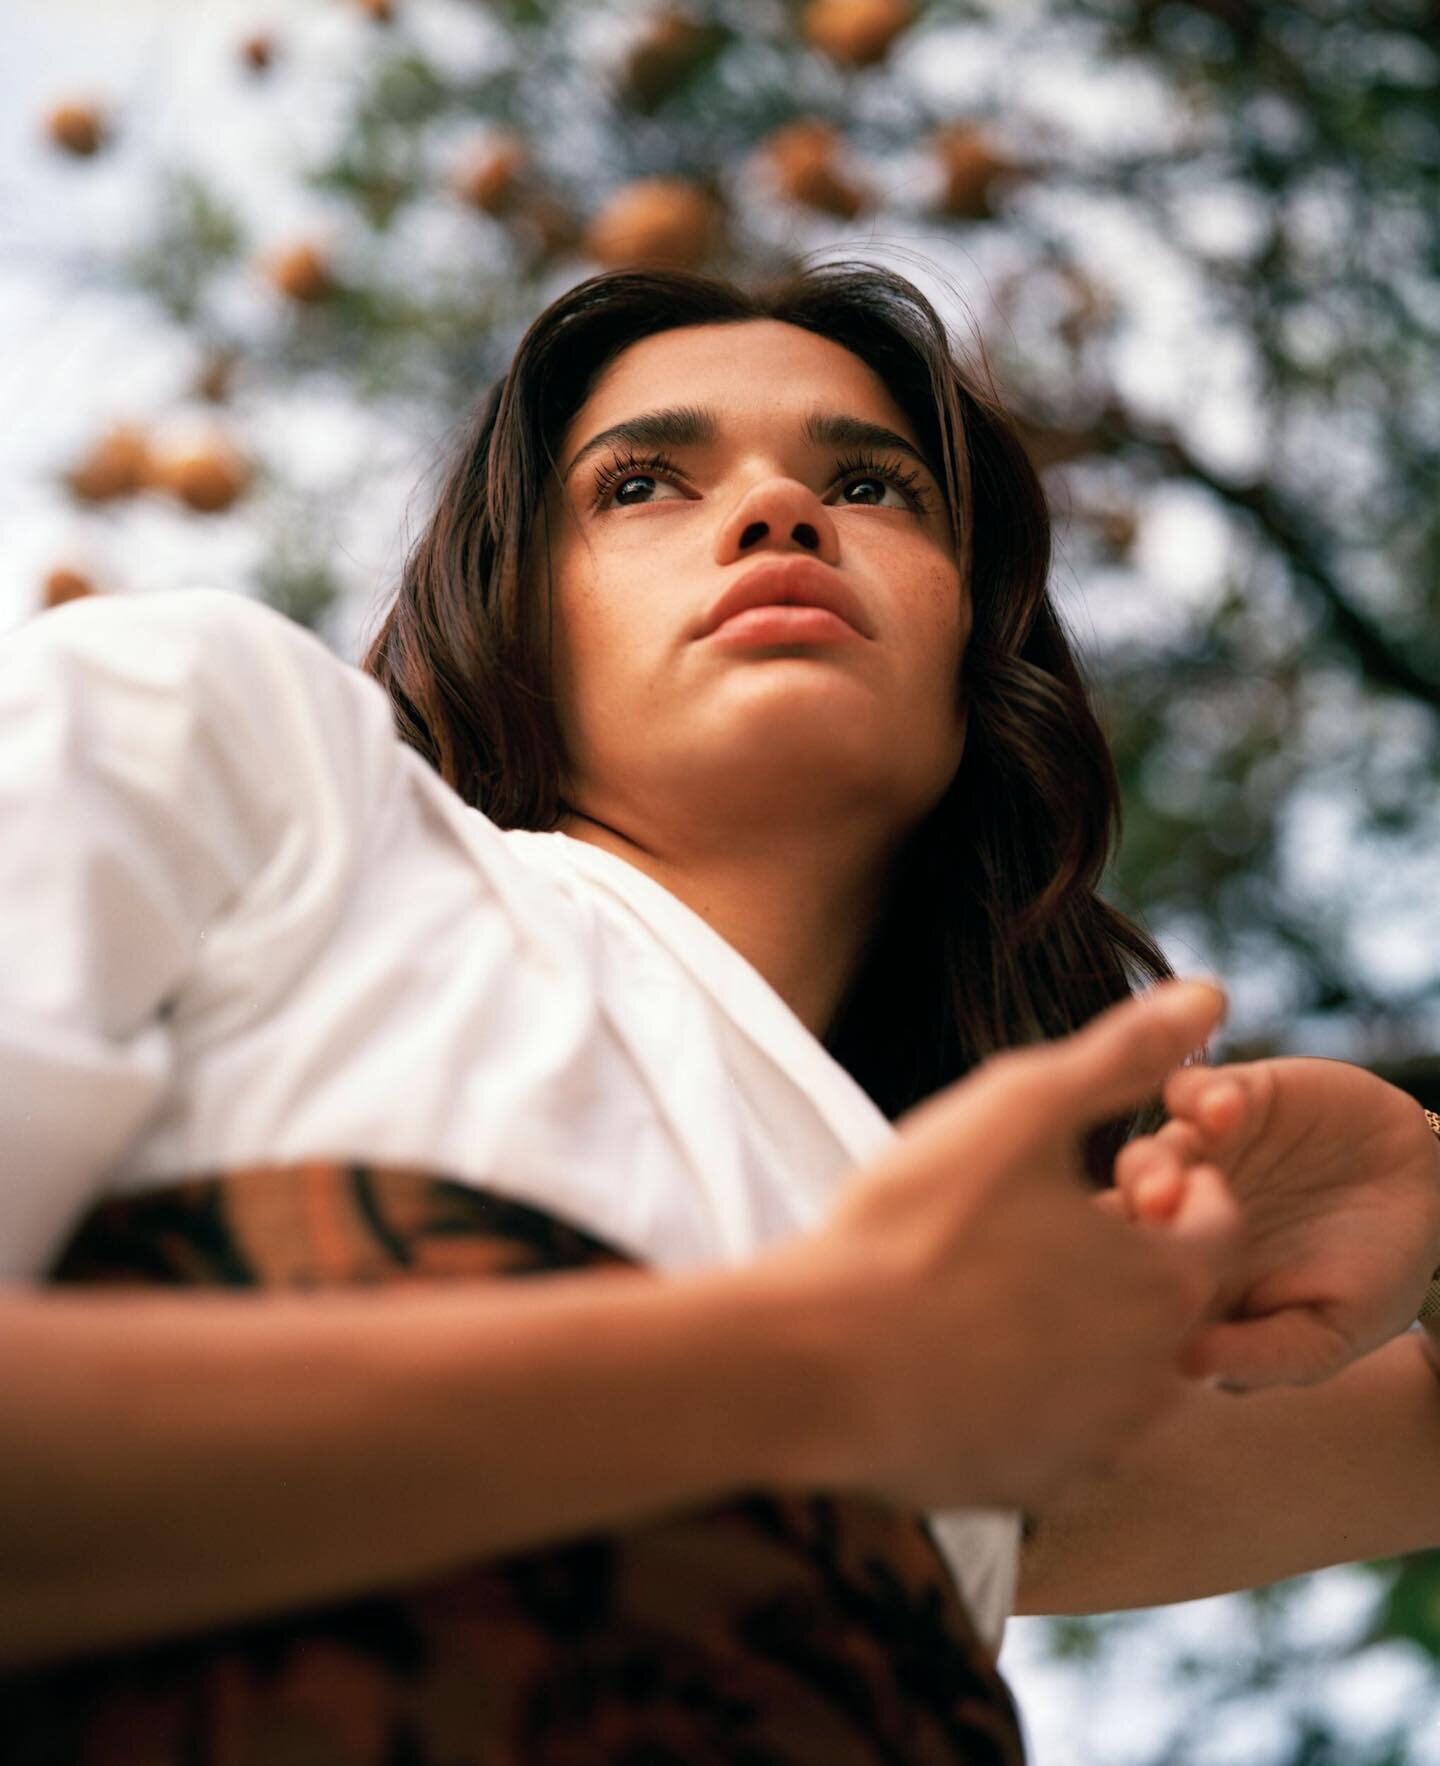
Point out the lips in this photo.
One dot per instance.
(788, 582)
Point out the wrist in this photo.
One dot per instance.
(1429, 1314)
(789, 1323)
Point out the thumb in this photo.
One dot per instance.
(1123, 1055)
(1054, 1090)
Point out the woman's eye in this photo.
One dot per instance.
(874, 478)
(634, 483)
(634, 480)
(872, 483)
(618, 480)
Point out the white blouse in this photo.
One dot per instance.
(242, 922)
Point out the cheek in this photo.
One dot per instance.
(601, 643)
(943, 612)
(943, 629)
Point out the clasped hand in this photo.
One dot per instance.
(1338, 1175)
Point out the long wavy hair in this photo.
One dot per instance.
(992, 933)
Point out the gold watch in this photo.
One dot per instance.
(1429, 1313)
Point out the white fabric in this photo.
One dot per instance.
(242, 922)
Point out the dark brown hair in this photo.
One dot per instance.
(993, 933)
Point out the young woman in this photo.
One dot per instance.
(722, 792)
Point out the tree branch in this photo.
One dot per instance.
(1380, 660)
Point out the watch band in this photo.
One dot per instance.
(1429, 1313)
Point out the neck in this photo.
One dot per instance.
(800, 914)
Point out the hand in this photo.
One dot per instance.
(1339, 1176)
(998, 1334)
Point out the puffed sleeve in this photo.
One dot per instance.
(168, 763)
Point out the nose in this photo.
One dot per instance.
(779, 515)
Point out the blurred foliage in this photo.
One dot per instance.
(1280, 163)
(1258, 1684)
(195, 233)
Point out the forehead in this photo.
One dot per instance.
(745, 370)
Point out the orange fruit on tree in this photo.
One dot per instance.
(971, 169)
(854, 33)
(208, 475)
(803, 159)
(302, 272)
(79, 127)
(63, 584)
(664, 223)
(258, 51)
(488, 178)
(119, 464)
(666, 51)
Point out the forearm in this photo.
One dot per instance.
(172, 1462)
(1234, 1492)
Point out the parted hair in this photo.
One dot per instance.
(992, 933)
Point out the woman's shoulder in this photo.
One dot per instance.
(178, 676)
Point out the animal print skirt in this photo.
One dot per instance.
(771, 1629)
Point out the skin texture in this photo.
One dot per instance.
(1329, 1453)
(768, 788)
(1339, 1176)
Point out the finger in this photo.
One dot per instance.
(1153, 1185)
(1139, 1155)
(1183, 1141)
(1204, 1233)
(1293, 1347)
(1055, 1090)
(1150, 1170)
(1215, 1099)
(1209, 1212)
(1177, 1144)
(1122, 1056)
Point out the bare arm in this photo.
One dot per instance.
(175, 1461)
(1233, 1492)
(172, 1461)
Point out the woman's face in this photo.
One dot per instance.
(673, 736)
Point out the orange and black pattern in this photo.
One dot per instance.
(775, 1629)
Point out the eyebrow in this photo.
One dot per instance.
(688, 426)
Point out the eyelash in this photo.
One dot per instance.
(858, 465)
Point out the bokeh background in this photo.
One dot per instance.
(257, 259)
